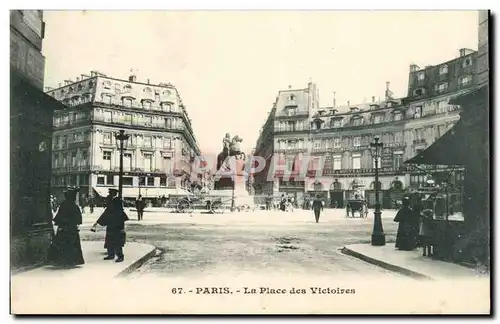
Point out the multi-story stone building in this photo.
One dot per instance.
(337, 139)
(158, 153)
(285, 137)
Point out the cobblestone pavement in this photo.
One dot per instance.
(252, 242)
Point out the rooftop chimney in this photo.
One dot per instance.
(465, 51)
(348, 103)
(414, 67)
(387, 85)
(85, 76)
(77, 79)
(60, 85)
(373, 99)
(93, 73)
(334, 101)
(66, 82)
(148, 81)
(132, 78)
(289, 86)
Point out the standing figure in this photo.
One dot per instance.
(91, 204)
(114, 219)
(283, 202)
(66, 249)
(405, 238)
(140, 205)
(317, 207)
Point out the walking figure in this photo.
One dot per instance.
(317, 206)
(66, 249)
(140, 204)
(114, 219)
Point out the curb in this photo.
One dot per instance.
(385, 265)
(137, 263)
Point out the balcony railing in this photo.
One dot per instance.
(104, 119)
(291, 129)
(68, 123)
(290, 150)
(419, 141)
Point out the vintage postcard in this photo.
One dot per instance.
(249, 162)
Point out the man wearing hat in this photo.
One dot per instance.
(317, 207)
(114, 219)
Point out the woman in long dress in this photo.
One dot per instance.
(406, 236)
(66, 249)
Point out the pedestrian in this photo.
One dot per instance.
(91, 204)
(114, 219)
(317, 207)
(140, 205)
(405, 238)
(66, 249)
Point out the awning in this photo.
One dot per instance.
(447, 150)
(146, 192)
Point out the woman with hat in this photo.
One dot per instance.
(66, 249)
(406, 236)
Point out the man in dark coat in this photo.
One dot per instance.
(114, 219)
(317, 206)
(140, 204)
(66, 249)
(91, 204)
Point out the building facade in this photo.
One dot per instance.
(336, 140)
(158, 155)
(31, 112)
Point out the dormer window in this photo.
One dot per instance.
(441, 87)
(418, 112)
(91, 84)
(353, 109)
(166, 106)
(127, 88)
(70, 90)
(80, 87)
(335, 122)
(107, 85)
(291, 111)
(419, 92)
(377, 119)
(357, 121)
(291, 98)
(464, 81)
(398, 116)
(127, 102)
(443, 69)
(467, 62)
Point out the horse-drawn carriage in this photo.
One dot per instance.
(356, 205)
(215, 204)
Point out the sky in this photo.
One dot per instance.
(229, 66)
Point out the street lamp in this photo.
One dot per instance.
(121, 144)
(378, 236)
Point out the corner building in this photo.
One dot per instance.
(158, 155)
(337, 139)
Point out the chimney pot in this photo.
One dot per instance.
(348, 103)
(387, 85)
(132, 78)
(289, 86)
(77, 79)
(373, 99)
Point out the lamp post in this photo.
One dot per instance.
(378, 236)
(121, 143)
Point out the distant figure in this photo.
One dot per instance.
(140, 204)
(91, 204)
(405, 238)
(317, 207)
(269, 200)
(114, 219)
(283, 202)
(66, 249)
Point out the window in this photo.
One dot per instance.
(148, 141)
(356, 121)
(146, 104)
(127, 181)
(291, 98)
(127, 88)
(101, 180)
(289, 164)
(291, 111)
(127, 102)
(107, 85)
(443, 69)
(464, 81)
(167, 164)
(83, 161)
(336, 142)
(356, 161)
(418, 92)
(421, 76)
(357, 141)
(110, 180)
(442, 87)
(150, 181)
(166, 106)
(148, 121)
(441, 106)
(168, 123)
(127, 161)
(467, 62)
(398, 116)
(106, 98)
(375, 164)
(317, 144)
(64, 140)
(419, 134)
(441, 129)
(107, 116)
(167, 142)
(398, 159)
(337, 123)
(418, 112)
(148, 161)
(106, 138)
(163, 181)
(418, 151)
(377, 119)
(398, 137)
(128, 119)
(106, 159)
(73, 159)
(337, 162)
(291, 145)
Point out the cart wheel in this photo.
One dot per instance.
(216, 207)
(184, 206)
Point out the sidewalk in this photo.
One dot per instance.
(410, 263)
(50, 285)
